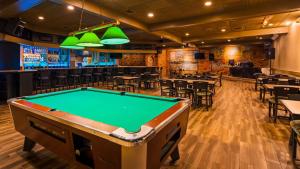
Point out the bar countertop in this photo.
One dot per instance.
(17, 71)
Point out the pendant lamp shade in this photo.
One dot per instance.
(89, 39)
(114, 36)
(71, 43)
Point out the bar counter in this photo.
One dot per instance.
(16, 83)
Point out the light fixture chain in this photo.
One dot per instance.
(81, 15)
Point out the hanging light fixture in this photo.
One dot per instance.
(114, 36)
(71, 43)
(89, 39)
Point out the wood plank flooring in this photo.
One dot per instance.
(235, 134)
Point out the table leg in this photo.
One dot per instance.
(28, 144)
(175, 154)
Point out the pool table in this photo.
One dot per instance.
(103, 129)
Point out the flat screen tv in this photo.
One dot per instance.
(200, 56)
(231, 62)
(116, 55)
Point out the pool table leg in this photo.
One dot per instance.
(28, 144)
(175, 155)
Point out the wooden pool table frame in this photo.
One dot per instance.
(58, 131)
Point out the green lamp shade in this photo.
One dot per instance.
(114, 36)
(89, 39)
(70, 42)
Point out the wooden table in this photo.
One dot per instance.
(279, 79)
(210, 82)
(293, 107)
(270, 87)
(127, 78)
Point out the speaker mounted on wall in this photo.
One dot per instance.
(211, 57)
(14, 27)
(270, 53)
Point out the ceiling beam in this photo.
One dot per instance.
(220, 15)
(233, 35)
(109, 13)
(127, 51)
(18, 7)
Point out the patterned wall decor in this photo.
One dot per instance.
(138, 60)
(133, 60)
(184, 60)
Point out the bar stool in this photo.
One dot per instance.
(43, 82)
(98, 76)
(87, 76)
(74, 78)
(61, 79)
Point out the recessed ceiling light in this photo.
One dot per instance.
(202, 42)
(41, 18)
(150, 15)
(228, 40)
(288, 23)
(260, 38)
(70, 7)
(270, 24)
(187, 34)
(223, 30)
(208, 3)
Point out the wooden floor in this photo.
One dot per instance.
(235, 134)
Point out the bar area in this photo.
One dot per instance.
(42, 69)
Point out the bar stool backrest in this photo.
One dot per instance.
(43, 74)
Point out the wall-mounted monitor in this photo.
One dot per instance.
(116, 55)
(200, 56)
(231, 62)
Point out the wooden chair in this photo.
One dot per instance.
(120, 84)
(295, 126)
(166, 88)
(280, 93)
(182, 90)
(202, 92)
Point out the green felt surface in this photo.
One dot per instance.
(129, 111)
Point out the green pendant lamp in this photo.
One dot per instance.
(71, 43)
(114, 36)
(89, 39)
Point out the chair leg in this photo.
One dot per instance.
(294, 146)
(206, 102)
(275, 112)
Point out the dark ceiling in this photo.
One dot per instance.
(242, 19)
